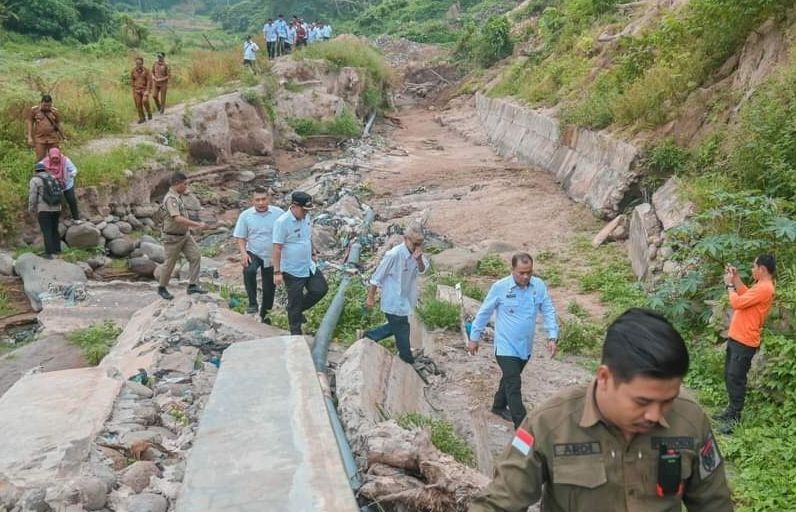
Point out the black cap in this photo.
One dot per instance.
(40, 167)
(160, 54)
(302, 199)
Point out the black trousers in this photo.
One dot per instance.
(397, 326)
(509, 392)
(270, 46)
(48, 222)
(250, 281)
(71, 200)
(737, 362)
(298, 301)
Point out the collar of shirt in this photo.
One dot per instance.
(266, 212)
(591, 414)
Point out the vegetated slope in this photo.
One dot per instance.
(708, 89)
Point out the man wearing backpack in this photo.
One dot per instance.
(44, 201)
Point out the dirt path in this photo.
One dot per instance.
(476, 199)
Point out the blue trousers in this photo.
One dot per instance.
(397, 326)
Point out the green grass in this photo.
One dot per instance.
(443, 436)
(96, 340)
(346, 125)
(74, 255)
(469, 288)
(349, 52)
(6, 308)
(435, 313)
(492, 265)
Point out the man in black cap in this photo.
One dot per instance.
(293, 261)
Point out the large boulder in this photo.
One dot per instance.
(39, 274)
(121, 247)
(142, 266)
(112, 232)
(644, 230)
(83, 236)
(671, 207)
(209, 268)
(347, 207)
(153, 251)
(6, 264)
(144, 211)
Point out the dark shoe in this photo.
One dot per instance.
(265, 320)
(149, 115)
(141, 121)
(164, 293)
(252, 310)
(194, 288)
(728, 427)
(723, 415)
(47, 256)
(162, 110)
(503, 413)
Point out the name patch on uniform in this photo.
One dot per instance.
(523, 441)
(571, 449)
(676, 443)
(709, 457)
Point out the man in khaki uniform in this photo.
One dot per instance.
(44, 131)
(627, 442)
(177, 237)
(160, 81)
(141, 80)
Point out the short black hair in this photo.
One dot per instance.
(260, 190)
(643, 343)
(768, 261)
(178, 177)
(46, 98)
(521, 257)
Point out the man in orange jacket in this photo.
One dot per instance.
(750, 308)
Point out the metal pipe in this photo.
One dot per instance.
(369, 124)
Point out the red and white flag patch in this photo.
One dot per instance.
(523, 441)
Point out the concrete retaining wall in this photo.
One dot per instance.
(592, 167)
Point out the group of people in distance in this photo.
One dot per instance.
(281, 37)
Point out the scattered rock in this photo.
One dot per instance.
(93, 492)
(133, 221)
(138, 389)
(246, 176)
(671, 208)
(102, 225)
(83, 236)
(153, 251)
(87, 270)
(181, 361)
(142, 266)
(38, 274)
(149, 239)
(112, 232)
(121, 247)
(97, 261)
(147, 502)
(34, 500)
(144, 211)
(137, 475)
(324, 239)
(347, 207)
(6, 264)
(643, 226)
(208, 268)
(125, 227)
(191, 202)
(606, 232)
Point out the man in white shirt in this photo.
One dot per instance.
(269, 33)
(294, 264)
(326, 31)
(396, 275)
(254, 236)
(249, 49)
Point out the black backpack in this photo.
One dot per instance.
(51, 191)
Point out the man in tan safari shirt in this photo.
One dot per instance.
(160, 82)
(177, 238)
(141, 81)
(44, 131)
(627, 442)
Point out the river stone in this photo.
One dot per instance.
(121, 247)
(142, 266)
(83, 236)
(93, 492)
(37, 274)
(153, 251)
(147, 502)
(246, 176)
(112, 232)
(133, 221)
(125, 227)
(6, 264)
(137, 475)
(145, 211)
(149, 239)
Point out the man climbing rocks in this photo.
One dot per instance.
(44, 130)
(141, 80)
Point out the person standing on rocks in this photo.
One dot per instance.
(628, 441)
(269, 34)
(160, 81)
(750, 307)
(177, 238)
(250, 50)
(44, 130)
(141, 80)
(60, 167)
(294, 262)
(396, 276)
(517, 300)
(254, 234)
(44, 201)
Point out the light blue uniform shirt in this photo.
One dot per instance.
(258, 230)
(396, 275)
(291, 35)
(516, 310)
(269, 32)
(326, 32)
(281, 28)
(249, 47)
(295, 237)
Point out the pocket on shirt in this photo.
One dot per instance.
(577, 482)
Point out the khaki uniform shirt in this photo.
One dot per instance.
(43, 130)
(141, 79)
(565, 454)
(172, 203)
(160, 71)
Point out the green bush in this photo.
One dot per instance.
(581, 336)
(492, 265)
(487, 45)
(345, 125)
(96, 340)
(443, 436)
(436, 313)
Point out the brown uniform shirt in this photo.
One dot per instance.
(160, 71)
(44, 125)
(172, 203)
(565, 454)
(141, 80)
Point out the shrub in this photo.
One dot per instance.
(492, 265)
(95, 340)
(436, 313)
(345, 125)
(443, 436)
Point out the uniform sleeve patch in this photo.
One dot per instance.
(523, 441)
(570, 449)
(709, 457)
